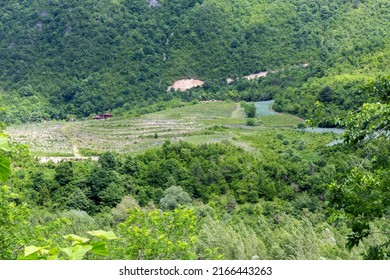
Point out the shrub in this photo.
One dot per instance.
(301, 125)
(250, 122)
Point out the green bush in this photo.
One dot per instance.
(251, 122)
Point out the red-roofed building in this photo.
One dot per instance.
(103, 116)
(106, 116)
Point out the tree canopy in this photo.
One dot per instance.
(363, 196)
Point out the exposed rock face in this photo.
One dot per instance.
(185, 84)
(154, 3)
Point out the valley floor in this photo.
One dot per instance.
(206, 122)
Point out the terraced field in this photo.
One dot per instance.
(206, 122)
(128, 134)
(43, 138)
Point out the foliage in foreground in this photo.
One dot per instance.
(80, 246)
(363, 195)
(4, 160)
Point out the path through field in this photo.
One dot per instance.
(76, 151)
(67, 129)
(238, 112)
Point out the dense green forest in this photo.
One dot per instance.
(65, 58)
(210, 201)
(285, 193)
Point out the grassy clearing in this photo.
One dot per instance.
(207, 138)
(238, 112)
(280, 120)
(223, 121)
(270, 142)
(204, 110)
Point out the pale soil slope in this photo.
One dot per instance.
(185, 84)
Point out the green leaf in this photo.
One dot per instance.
(4, 168)
(68, 251)
(4, 142)
(76, 238)
(106, 235)
(53, 253)
(80, 251)
(4, 161)
(34, 256)
(100, 248)
(77, 252)
(29, 250)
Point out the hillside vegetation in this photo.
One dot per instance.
(225, 170)
(236, 191)
(64, 58)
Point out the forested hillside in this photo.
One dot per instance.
(62, 58)
(291, 197)
(173, 177)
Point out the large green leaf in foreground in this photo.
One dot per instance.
(4, 161)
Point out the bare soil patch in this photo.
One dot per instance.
(185, 84)
(257, 75)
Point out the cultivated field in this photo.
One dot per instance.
(263, 108)
(206, 122)
(46, 138)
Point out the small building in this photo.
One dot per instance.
(106, 116)
(103, 116)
